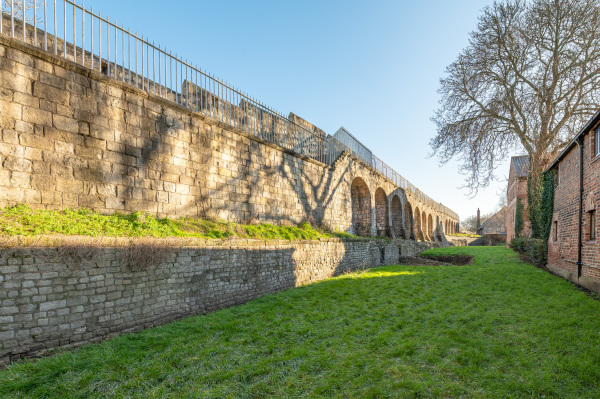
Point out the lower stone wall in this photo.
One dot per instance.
(65, 296)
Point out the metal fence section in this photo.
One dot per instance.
(101, 44)
(354, 146)
(75, 33)
(359, 150)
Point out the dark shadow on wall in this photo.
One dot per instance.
(177, 283)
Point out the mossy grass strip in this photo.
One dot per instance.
(21, 220)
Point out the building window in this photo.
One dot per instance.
(592, 225)
(596, 146)
(555, 231)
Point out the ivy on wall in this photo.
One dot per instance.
(534, 194)
(519, 218)
(547, 205)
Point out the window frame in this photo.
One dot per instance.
(596, 142)
(592, 225)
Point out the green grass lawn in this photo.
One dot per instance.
(496, 328)
(22, 220)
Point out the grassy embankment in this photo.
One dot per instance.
(24, 221)
(496, 328)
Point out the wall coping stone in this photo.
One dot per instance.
(53, 241)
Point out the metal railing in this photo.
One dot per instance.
(96, 42)
(360, 151)
(73, 32)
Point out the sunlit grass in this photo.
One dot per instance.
(22, 220)
(497, 328)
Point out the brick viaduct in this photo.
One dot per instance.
(73, 137)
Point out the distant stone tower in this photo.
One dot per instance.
(478, 221)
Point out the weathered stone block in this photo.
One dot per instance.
(50, 93)
(10, 109)
(17, 164)
(35, 141)
(15, 82)
(53, 304)
(37, 116)
(20, 179)
(51, 198)
(26, 99)
(66, 124)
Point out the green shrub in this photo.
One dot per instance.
(519, 244)
(533, 249)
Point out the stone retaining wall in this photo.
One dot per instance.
(72, 137)
(65, 296)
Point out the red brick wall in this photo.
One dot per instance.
(562, 252)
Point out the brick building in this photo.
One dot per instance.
(572, 249)
(517, 190)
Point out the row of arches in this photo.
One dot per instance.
(405, 223)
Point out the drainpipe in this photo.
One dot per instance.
(580, 244)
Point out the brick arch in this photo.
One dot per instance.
(382, 213)
(397, 226)
(409, 221)
(361, 207)
(418, 229)
(424, 226)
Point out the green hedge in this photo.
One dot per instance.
(535, 250)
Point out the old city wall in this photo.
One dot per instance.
(72, 137)
(65, 296)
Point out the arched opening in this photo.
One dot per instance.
(418, 230)
(445, 227)
(397, 226)
(382, 213)
(409, 221)
(430, 227)
(361, 207)
(438, 228)
(426, 237)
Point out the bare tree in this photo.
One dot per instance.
(18, 9)
(528, 79)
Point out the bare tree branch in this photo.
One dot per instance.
(527, 81)
(18, 9)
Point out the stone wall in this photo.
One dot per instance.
(65, 296)
(72, 137)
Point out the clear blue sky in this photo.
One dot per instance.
(372, 67)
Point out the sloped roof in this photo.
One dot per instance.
(521, 164)
(503, 210)
(585, 130)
